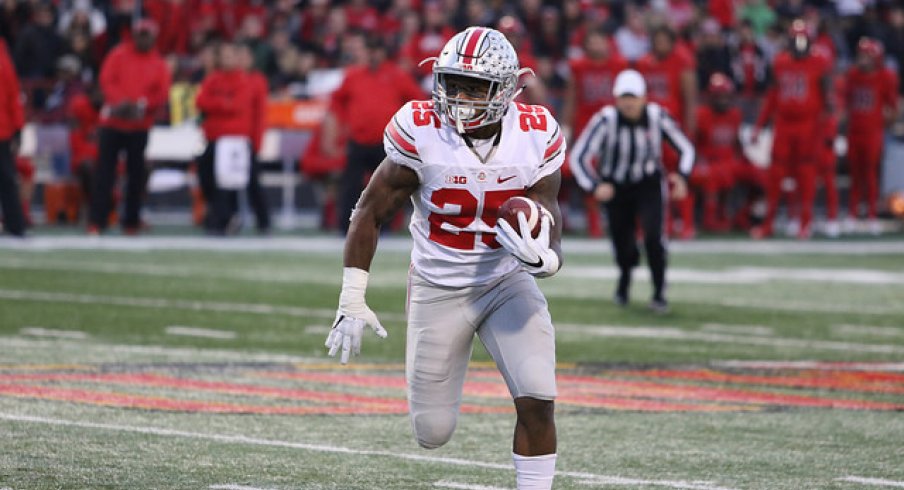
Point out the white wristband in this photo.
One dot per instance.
(354, 284)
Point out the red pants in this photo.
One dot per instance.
(712, 180)
(864, 157)
(794, 152)
(826, 171)
(685, 206)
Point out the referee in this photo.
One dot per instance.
(618, 159)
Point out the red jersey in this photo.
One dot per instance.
(12, 116)
(593, 80)
(225, 101)
(866, 94)
(797, 92)
(368, 98)
(130, 75)
(663, 78)
(717, 133)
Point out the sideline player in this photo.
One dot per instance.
(796, 100)
(871, 103)
(458, 158)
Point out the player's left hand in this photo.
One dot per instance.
(534, 253)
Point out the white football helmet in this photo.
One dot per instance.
(478, 52)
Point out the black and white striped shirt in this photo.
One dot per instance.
(611, 149)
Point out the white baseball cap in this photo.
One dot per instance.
(629, 82)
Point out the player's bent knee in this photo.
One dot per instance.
(434, 428)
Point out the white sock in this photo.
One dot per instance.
(534, 472)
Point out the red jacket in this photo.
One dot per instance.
(12, 117)
(128, 75)
(367, 99)
(225, 101)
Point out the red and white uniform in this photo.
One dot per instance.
(663, 77)
(456, 205)
(866, 94)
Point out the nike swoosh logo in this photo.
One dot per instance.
(500, 180)
(537, 264)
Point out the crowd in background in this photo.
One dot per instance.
(59, 47)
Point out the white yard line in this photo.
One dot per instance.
(101, 352)
(207, 333)
(231, 486)
(671, 333)
(749, 275)
(53, 333)
(403, 244)
(868, 330)
(761, 330)
(155, 303)
(817, 365)
(879, 482)
(678, 275)
(464, 486)
(254, 441)
(634, 482)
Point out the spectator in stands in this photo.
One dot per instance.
(13, 17)
(368, 97)
(11, 121)
(39, 46)
(84, 17)
(631, 38)
(894, 42)
(226, 101)
(588, 89)
(713, 55)
(671, 79)
(135, 82)
(749, 69)
(432, 37)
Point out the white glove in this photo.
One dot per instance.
(351, 317)
(533, 253)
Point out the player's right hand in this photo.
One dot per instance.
(352, 316)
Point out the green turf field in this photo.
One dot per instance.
(197, 364)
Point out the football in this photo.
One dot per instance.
(519, 204)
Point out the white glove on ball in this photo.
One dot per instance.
(533, 253)
(351, 317)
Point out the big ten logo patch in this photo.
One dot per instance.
(457, 179)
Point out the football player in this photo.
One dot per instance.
(871, 103)
(797, 99)
(458, 158)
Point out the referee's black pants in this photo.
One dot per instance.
(641, 202)
(361, 160)
(13, 216)
(111, 143)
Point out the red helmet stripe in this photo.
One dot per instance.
(472, 44)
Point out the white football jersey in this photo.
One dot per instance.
(456, 205)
